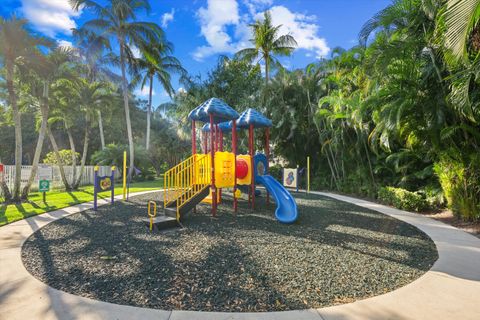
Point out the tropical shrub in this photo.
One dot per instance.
(113, 155)
(65, 156)
(402, 199)
(460, 180)
(276, 171)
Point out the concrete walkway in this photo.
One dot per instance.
(450, 290)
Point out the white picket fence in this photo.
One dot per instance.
(87, 177)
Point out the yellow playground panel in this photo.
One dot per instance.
(247, 180)
(224, 169)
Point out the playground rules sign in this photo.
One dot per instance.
(290, 177)
(45, 173)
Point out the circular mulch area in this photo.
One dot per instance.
(335, 253)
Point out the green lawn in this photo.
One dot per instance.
(61, 199)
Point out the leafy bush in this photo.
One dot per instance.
(402, 199)
(65, 155)
(113, 155)
(434, 196)
(460, 181)
(276, 171)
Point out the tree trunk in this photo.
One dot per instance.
(100, 127)
(74, 155)
(5, 191)
(267, 70)
(369, 163)
(127, 109)
(84, 155)
(18, 131)
(332, 171)
(44, 109)
(149, 112)
(59, 158)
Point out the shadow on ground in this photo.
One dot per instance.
(335, 253)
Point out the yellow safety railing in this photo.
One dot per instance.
(185, 180)
(150, 214)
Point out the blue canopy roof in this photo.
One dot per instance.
(221, 111)
(252, 116)
(223, 126)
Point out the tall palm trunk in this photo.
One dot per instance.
(59, 158)
(267, 70)
(332, 171)
(149, 112)
(44, 110)
(18, 132)
(84, 155)
(5, 191)
(73, 154)
(100, 128)
(127, 109)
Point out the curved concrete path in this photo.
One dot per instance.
(450, 290)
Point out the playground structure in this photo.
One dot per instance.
(203, 175)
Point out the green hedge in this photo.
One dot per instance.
(402, 199)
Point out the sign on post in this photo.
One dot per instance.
(43, 185)
(290, 177)
(45, 175)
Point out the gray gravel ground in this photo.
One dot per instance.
(335, 253)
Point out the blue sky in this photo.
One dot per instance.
(201, 30)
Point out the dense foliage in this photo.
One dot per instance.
(398, 110)
(59, 102)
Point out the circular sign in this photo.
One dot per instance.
(105, 183)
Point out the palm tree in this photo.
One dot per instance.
(157, 61)
(90, 97)
(49, 69)
(117, 21)
(268, 43)
(17, 45)
(93, 65)
(461, 21)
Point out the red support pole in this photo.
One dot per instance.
(194, 138)
(267, 154)
(205, 142)
(213, 189)
(220, 148)
(234, 151)
(220, 139)
(215, 133)
(252, 187)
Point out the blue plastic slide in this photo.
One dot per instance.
(286, 211)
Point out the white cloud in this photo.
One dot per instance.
(167, 17)
(214, 21)
(301, 27)
(64, 43)
(135, 51)
(181, 90)
(144, 92)
(222, 14)
(50, 16)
